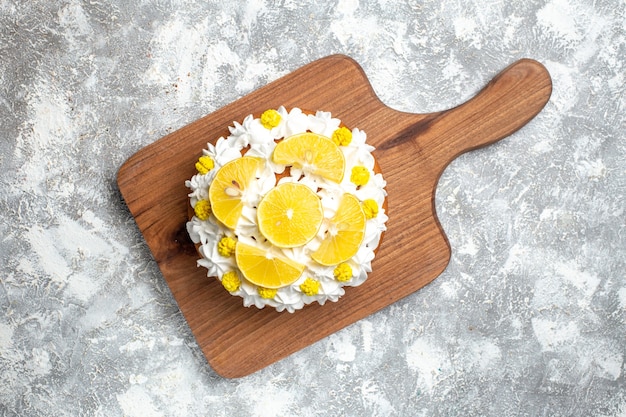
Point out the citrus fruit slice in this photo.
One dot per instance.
(228, 186)
(313, 153)
(345, 233)
(262, 268)
(290, 215)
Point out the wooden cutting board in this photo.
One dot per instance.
(412, 150)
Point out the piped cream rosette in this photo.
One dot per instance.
(288, 209)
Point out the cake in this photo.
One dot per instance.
(288, 209)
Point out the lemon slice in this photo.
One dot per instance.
(290, 215)
(313, 153)
(345, 233)
(228, 186)
(262, 268)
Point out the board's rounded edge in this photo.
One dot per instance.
(124, 174)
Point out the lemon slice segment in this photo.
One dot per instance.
(228, 186)
(345, 233)
(290, 215)
(313, 153)
(262, 268)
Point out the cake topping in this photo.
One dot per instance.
(310, 287)
(226, 246)
(342, 136)
(370, 208)
(231, 281)
(360, 176)
(267, 293)
(202, 210)
(344, 233)
(265, 268)
(288, 209)
(342, 272)
(290, 215)
(270, 119)
(226, 192)
(312, 153)
(204, 164)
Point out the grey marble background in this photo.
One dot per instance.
(529, 319)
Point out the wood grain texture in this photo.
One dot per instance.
(412, 151)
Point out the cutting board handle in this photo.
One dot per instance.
(506, 104)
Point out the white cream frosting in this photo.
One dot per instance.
(261, 142)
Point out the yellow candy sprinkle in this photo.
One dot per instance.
(310, 286)
(360, 175)
(205, 164)
(267, 292)
(270, 118)
(226, 246)
(342, 136)
(370, 208)
(202, 209)
(231, 281)
(343, 272)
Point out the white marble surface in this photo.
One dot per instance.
(527, 320)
